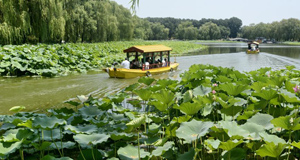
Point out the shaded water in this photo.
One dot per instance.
(37, 94)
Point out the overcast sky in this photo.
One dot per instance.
(251, 11)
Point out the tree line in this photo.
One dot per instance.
(51, 21)
(284, 30)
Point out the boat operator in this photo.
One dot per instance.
(126, 64)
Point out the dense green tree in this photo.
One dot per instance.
(209, 31)
(186, 31)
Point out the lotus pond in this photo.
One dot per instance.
(211, 113)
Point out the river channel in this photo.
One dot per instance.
(38, 94)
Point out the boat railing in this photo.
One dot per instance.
(155, 65)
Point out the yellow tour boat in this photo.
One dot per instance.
(253, 48)
(146, 60)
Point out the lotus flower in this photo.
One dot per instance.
(215, 84)
(213, 92)
(296, 89)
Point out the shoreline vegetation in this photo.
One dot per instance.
(212, 113)
(62, 59)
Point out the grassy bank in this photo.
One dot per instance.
(292, 43)
(211, 113)
(61, 59)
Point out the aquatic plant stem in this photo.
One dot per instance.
(138, 144)
(21, 154)
(81, 152)
(290, 141)
(55, 144)
(93, 153)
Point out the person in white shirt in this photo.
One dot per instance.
(163, 63)
(146, 65)
(125, 64)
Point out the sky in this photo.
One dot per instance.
(252, 11)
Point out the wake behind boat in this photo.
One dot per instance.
(144, 61)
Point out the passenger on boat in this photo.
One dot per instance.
(147, 65)
(164, 62)
(125, 64)
(135, 63)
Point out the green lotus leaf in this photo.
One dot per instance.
(181, 119)
(212, 144)
(50, 135)
(11, 135)
(88, 129)
(95, 138)
(289, 97)
(61, 145)
(154, 128)
(272, 138)
(73, 103)
(189, 108)
(229, 145)
(187, 96)
(166, 82)
(164, 96)
(266, 94)
(296, 144)
(233, 89)
(240, 101)
(17, 108)
(90, 111)
(135, 123)
(47, 122)
(262, 119)
(287, 123)
(11, 149)
(160, 142)
(131, 153)
(223, 79)
(276, 81)
(117, 136)
(5, 64)
(144, 94)
(232, 128)
(132, 87)
(246, 115)
(193, 130)
(113, 158)
(235, 154)
(253, 129)
(159, 151)
(201, 91)
(48, 157)
(231, 111)
(208, 108)
(90, 154)
(271, 150)
(146, 80)
(289, 86)
(187, 155)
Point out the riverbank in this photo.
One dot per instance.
(292, 43)
(62, 59)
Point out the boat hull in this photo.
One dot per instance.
(252, 52)
(132, 73)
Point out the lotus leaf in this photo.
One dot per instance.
(160, 142)
(146, 80)
(17, 108)
(253, 129)
(289, 97)
(47, 122)
(212, 144)
(223, 79)
(11, 135)
(201, 91)
(189, 108)
(193, 130)
(235, 154)
(296, 144)
(287, 123)
(271, 150)
(233, 89)
(60, 145)
(132, 87)
(50, 135)
(88, 129)
(91, 111)
(135, 123)
(131, 153)
(117, 136)
(266, 94)
(246, 115)
(232, 128)
(272, 138)
(159, 151)
(229, 145)
(187, 155)
(165, 97)
(144, 94)
(188, 96)
(262, 119)
(166, 82)
(95, 138)
(181, 119)
(11, 149)
(276, 81)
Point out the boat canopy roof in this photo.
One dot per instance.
(148, 49)
(254, 42)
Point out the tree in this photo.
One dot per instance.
(209, 31)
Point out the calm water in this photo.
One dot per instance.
(37, 94)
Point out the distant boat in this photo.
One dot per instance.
(155, 59)
(253, 47)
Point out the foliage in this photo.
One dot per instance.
(53, 60)
(204, 115)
